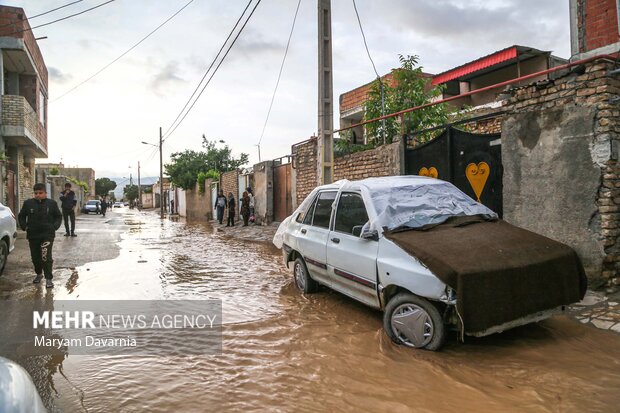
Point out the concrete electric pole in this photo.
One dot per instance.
(326, 100)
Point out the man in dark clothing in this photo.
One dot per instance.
(68, 202)
(220, 204)
(40, 218)
(104, 206)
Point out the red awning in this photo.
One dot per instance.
(482, 63)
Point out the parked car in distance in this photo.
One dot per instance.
(125, 203)
(92, 206)
(118, 204)
(8, 234)
(427, 255)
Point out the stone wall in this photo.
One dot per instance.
(382, 161)
(560, 158)
(304, 168)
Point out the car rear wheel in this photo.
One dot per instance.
(4, 254)
(302, 279)
(414, 322)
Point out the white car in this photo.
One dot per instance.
(429, 256)
(8, 234)
(92, 206)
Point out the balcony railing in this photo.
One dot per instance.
(16, 111)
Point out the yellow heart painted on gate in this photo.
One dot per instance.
(431, 172)
(477, 176)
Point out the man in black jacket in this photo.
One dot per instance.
(68, 202)
(40, 218)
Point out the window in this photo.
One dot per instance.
(323, 209)
(303, 215)
(351, 212)
(308, 218)
(42, 114)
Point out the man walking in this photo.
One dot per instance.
(40, 218)
(68, 201)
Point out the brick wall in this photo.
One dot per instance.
(304, 168)
(382, 161)
(600, 23)
(13, 23)
(229, 182)
(25, 171)
(16, 111)
(356, 97)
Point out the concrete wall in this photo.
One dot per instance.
(561, 171)
(263, 192)
(197, 204)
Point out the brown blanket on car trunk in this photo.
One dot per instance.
(500, 272)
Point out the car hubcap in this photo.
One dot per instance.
(300, 279)
(412, 325)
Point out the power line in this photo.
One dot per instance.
(216, 69)
(44, 13)
(62, 18)
(53, 10)
(279, 75)
(123, 54)
(364, 37)
(210, 66)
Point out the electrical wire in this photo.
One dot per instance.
(53, 10)
(210, 66)
(44, 13)
(215, 70)
(124, 53)
(61, 19)
(364, 37)
(279, 74)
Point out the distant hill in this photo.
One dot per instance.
(122, 182)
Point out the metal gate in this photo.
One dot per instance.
(472, 162)
(282, 195)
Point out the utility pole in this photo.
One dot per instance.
(139, 187)
(161, 178)
(326, 101)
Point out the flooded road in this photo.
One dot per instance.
(283, 351)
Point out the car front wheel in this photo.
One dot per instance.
(302, 279)
(4, 254)
(414, 322)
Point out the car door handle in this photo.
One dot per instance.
(336, 240)
(303, 231)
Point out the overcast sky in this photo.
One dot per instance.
(102, 123)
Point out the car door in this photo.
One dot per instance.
(351, 260)
(313, 233)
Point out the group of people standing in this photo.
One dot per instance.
(223, 203)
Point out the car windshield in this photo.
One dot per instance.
(415, 206)
(92, 202)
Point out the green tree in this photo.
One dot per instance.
(410, 89)
(103, 186)
(131, 192)
(185, 167)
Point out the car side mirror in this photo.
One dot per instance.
(370, 235)
(357, 230)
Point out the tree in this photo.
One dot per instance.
(103, 186)
(410, 89)
(131, 192)
(186, 166)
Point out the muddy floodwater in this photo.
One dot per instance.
(283, 351)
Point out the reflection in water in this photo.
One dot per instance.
(324, 352)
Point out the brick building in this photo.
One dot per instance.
(23, 106)
(594, 28)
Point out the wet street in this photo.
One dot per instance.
(283, 351)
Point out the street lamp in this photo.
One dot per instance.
(161, 175)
